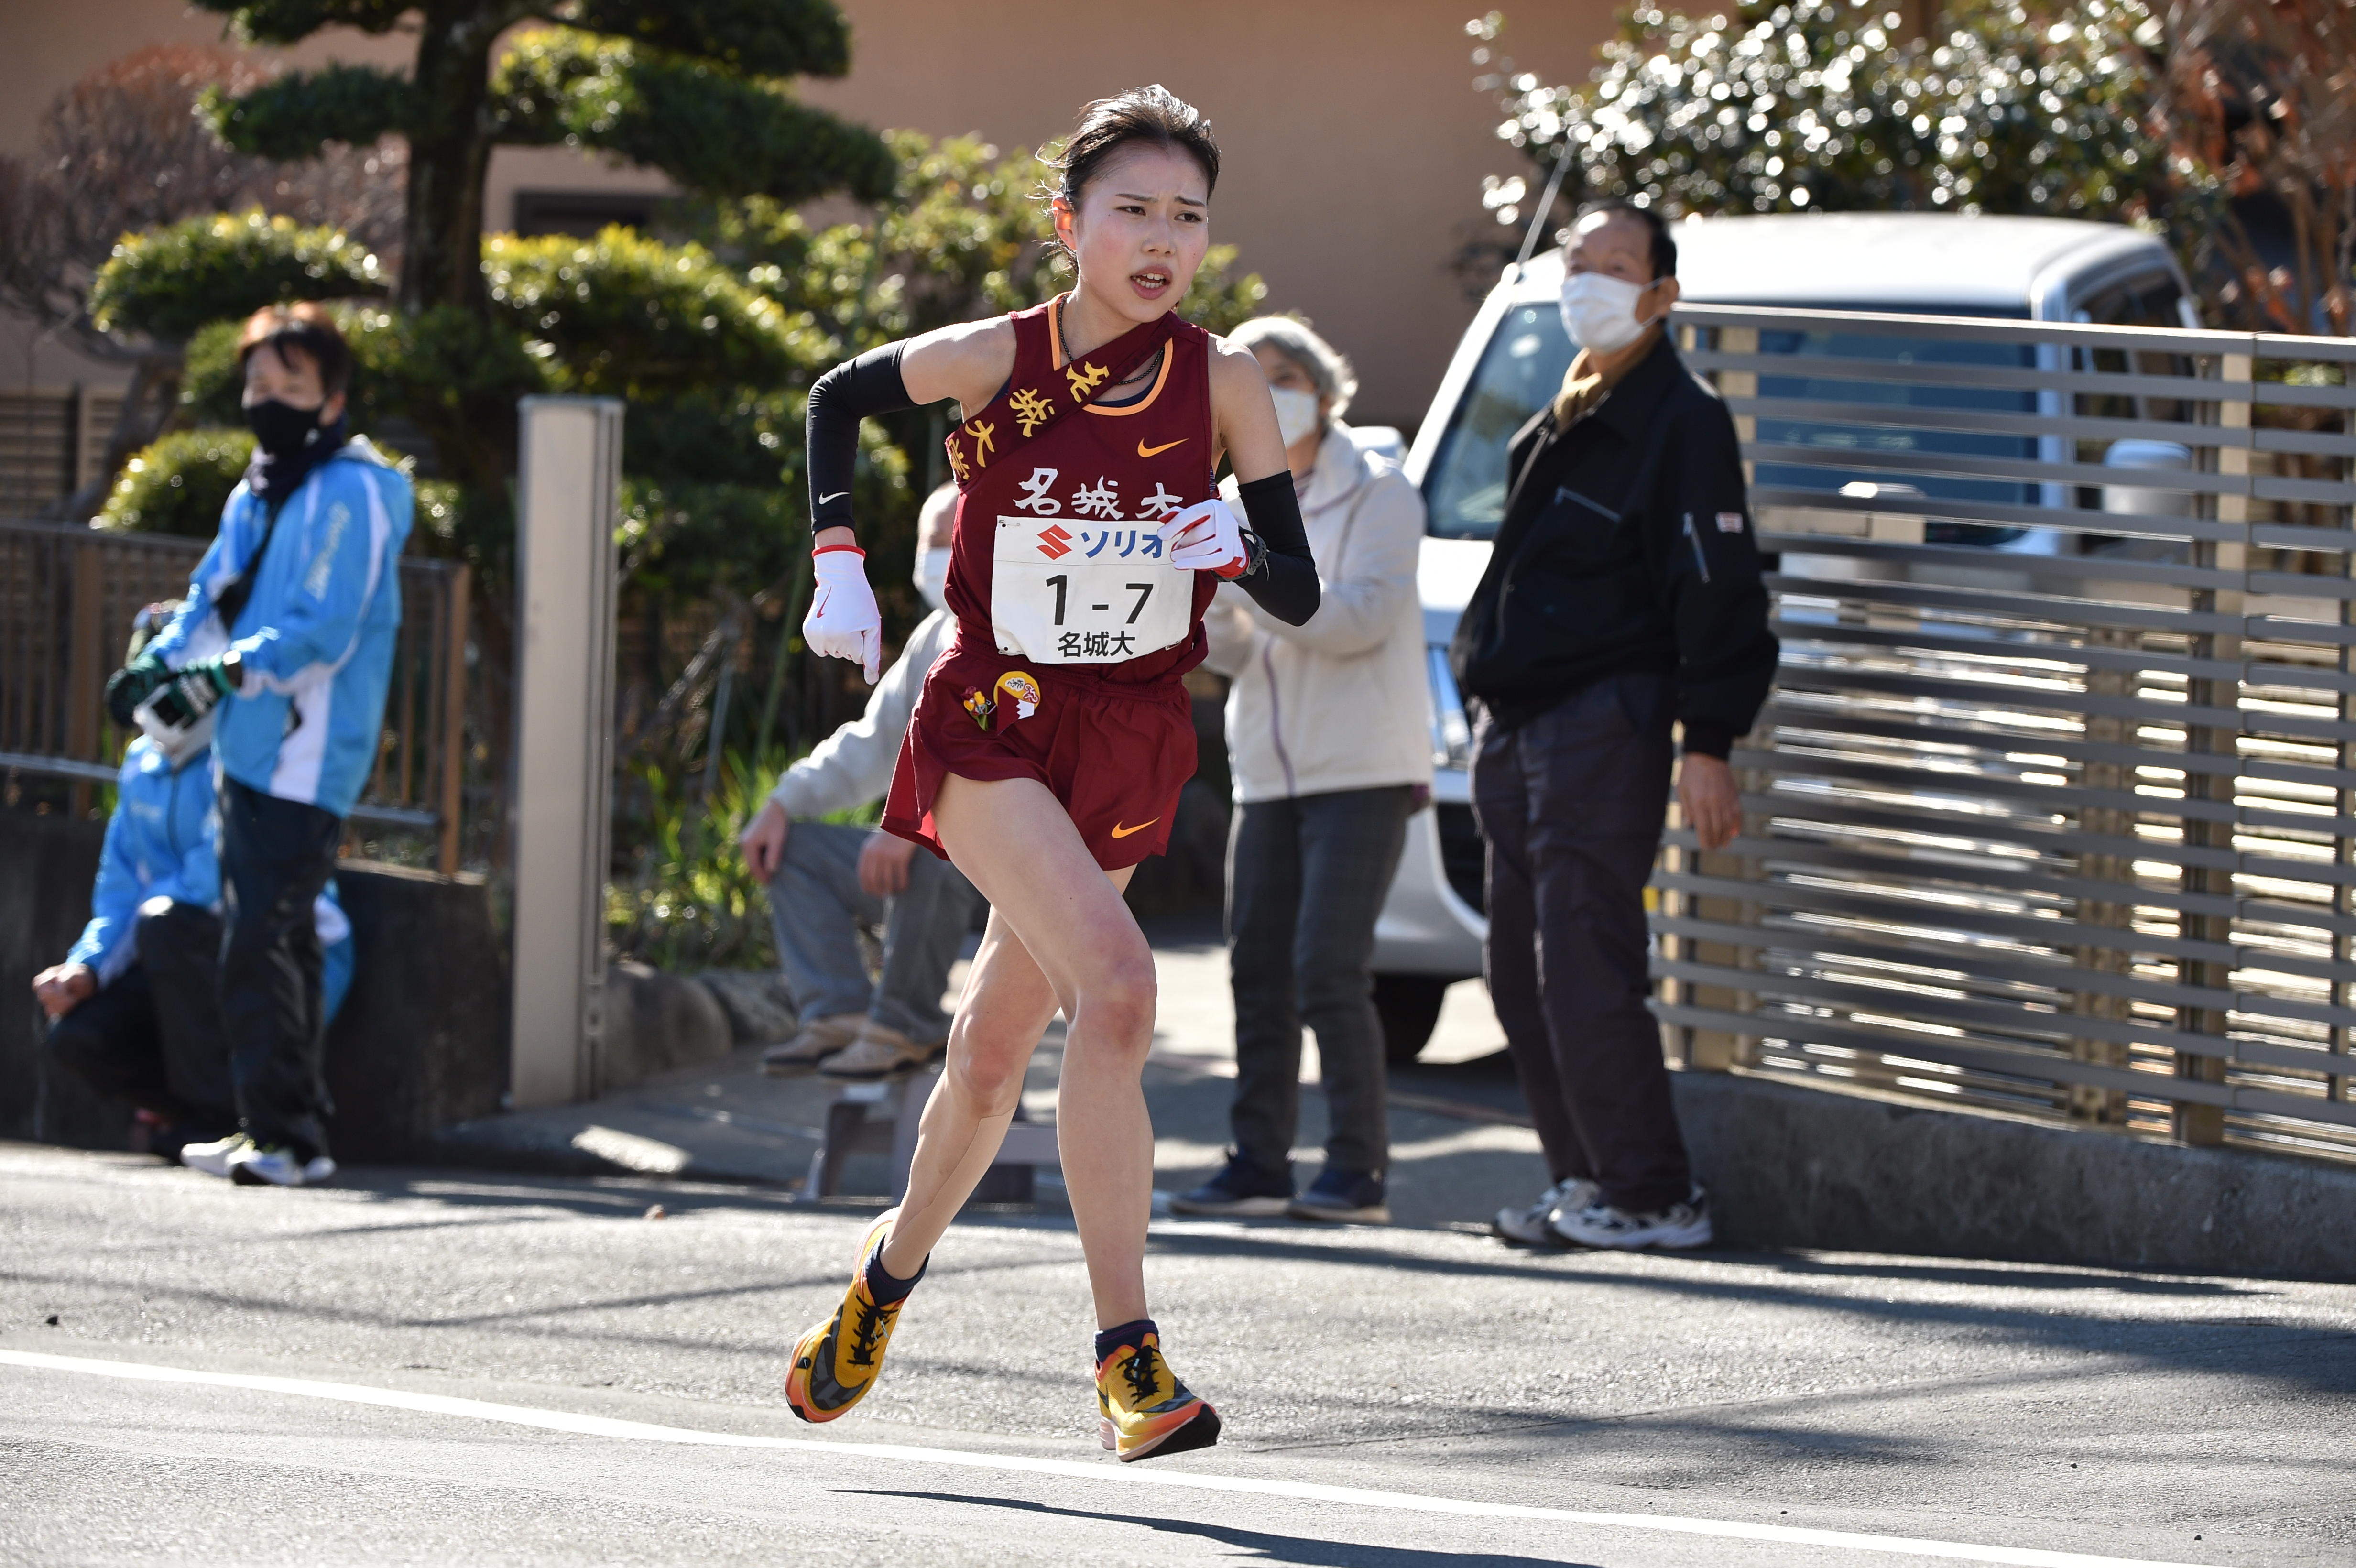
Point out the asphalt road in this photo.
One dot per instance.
(414, 1367)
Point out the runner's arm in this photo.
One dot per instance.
(1286, 583)
(967, 362)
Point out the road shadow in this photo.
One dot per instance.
(1295, 1549)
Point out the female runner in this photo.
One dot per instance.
(1049, 743)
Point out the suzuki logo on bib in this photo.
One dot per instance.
(1054, 542)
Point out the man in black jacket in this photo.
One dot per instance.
(1623, 598)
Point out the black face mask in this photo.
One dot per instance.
(282, 430)
(288, 442)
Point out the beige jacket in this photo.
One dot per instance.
(1343, 702)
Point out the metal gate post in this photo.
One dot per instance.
(2202, 1124)
(567, 500)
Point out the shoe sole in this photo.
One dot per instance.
(899, 1070)
(1200, 1431)
(796, 1383)
(246, 1176)
(1240, 1209)
(1379, 1214)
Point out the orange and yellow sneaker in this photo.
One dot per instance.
(836, 1362)
(1144, 1410)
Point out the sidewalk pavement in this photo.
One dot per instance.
(1462, 1145)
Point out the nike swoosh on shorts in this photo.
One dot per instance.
(1120, 832)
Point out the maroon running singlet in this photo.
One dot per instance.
(1072, 630)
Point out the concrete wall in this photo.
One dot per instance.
(421, 1042)
(1788, 1166)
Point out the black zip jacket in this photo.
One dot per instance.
(1627, 545)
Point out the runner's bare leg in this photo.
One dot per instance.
(1068, 940)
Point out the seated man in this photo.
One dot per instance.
(135, 1010)
(826, 880)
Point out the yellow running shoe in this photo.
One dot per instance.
(1144, 1410)
(836, 1363)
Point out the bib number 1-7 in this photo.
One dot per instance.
(1067, 594)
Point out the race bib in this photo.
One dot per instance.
(1069, 591)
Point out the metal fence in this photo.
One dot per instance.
(66, 597)
(2053, 807)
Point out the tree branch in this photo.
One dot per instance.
(289, 119)
(756, 37)
(709, 130)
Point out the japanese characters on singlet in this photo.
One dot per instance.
(1056, 558)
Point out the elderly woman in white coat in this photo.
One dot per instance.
(1328, 737)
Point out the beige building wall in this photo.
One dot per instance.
(1355, 143)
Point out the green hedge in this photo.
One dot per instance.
(179, 484)
(168, 282)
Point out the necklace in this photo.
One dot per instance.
(1138, 377)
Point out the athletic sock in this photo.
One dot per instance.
(1112, 1340)
(882, 1285)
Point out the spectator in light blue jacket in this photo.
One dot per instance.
(289, 631)
(135, 1007)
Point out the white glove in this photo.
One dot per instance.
(1205, 537)
(844, 622)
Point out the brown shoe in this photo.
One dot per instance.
(819, 1038)
(879, 1051)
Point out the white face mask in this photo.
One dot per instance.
(933, 575)
(1600, 311)
(1296, 414)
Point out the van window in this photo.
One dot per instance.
(2151, 300)
(1464, 493)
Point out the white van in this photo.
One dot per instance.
(1512, 359)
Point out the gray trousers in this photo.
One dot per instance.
(1306, 878)
(817, 906)
(1571, 804)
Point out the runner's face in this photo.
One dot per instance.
(1142, 226)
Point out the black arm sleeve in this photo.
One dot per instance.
(849, 392)
(1286, 584)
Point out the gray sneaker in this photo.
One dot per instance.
(1598, 1224)
(1531, 1225)
(819, 1039)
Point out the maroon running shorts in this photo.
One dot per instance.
(1114, 754)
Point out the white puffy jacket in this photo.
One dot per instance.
(1343, 702)
(853, 765)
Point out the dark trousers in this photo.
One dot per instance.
(154, 1036)
(276, 854)
(1306, 877)
(1571, 803)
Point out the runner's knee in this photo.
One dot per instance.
(1118, 1004)
(989, 1079)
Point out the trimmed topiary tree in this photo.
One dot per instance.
(695, 88)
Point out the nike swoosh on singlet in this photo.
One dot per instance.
(1120, 832)
(1145, 450)
(837, 496)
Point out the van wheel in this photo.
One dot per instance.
(1408, 1006)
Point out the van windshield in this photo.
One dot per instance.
(1464, 492)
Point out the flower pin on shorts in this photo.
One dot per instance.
(981, 707)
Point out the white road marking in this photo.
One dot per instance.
(1104, 1470)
